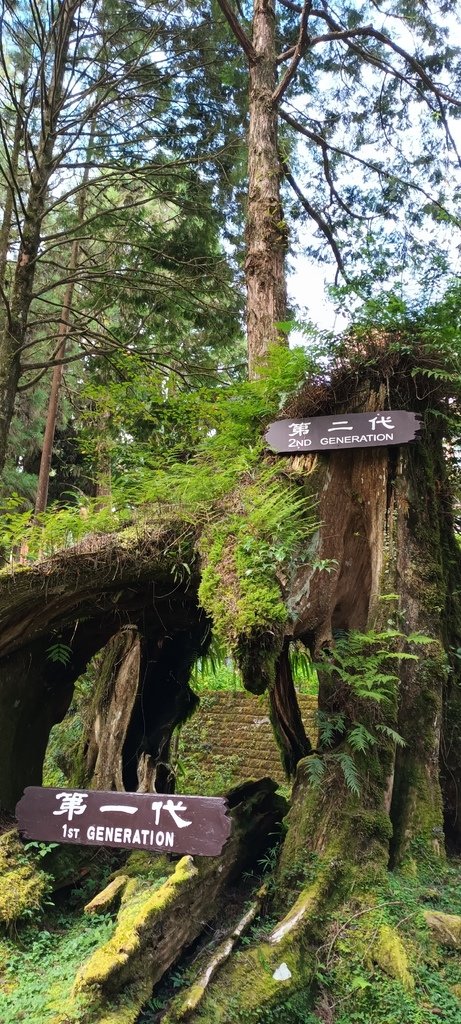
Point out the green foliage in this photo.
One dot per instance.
(249, 520)
(194, 776)
(216, 671)
(359, 666)
(361, 662)
(62, 754)
(40, 966)
(303, 669)
(179, 460)
(60, 527)
(59, 652)
(41, 849)
(262, 529)
(424, 335)
(359, 989)
(316, 767)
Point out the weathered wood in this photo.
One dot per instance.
(189, 1001)
(343, 431)
(155, 927)
(285, 715)
(82, 597)
(116, 692)
(104, 577)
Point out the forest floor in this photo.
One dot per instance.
(353, 984)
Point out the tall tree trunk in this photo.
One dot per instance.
(56, 380)
(12, 337)
(266, 232)
(12, 187)
(383, 521)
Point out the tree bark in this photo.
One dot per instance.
(384, 521)
(110, 714)
(79, 600)
(41, 499)
(141, 694)
(266, 230)
(285, 715)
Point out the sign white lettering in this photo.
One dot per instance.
(352, 430)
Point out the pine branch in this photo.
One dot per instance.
(317, 217)
(368, 164)
(291, 6)
(238, 31)
(339, 33)
(299, 51)
(286, 55)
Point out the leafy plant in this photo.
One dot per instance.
(41, 849)
(359, 664)
(59, 652)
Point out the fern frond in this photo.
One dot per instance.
(391, 734)
(349, 770)
(360, 739)
(315, 768)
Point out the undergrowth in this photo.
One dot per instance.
(377, 962)
(248, 519)
(203, 443)
(40, 965)
(350, 978)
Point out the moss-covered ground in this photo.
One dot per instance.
(44, 951)
(377, 962)
(385, 966)
(40, 961)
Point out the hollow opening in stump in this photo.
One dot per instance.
(135, 693)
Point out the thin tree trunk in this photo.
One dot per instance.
(285, 715)
(266, 232)
(7, 219)
(13, 336)
(56, 381)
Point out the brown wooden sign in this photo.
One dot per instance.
(343, 431)
(134, 821)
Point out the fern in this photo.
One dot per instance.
(349, 770)
(59, 652)
(359, 661)
(303, 669)
(360, 739)
(391, 734)
(420, 638)
(315, 768)
(329, 726)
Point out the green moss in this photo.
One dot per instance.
(264, 523)
(40, 965)
(23, 887)
(139, 908)
(446, 928)
(374, 824)
(108, 898)
(389, 953)
(151, 867)
(241, 599)
(256, 996)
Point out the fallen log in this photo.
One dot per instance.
(155, 925)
